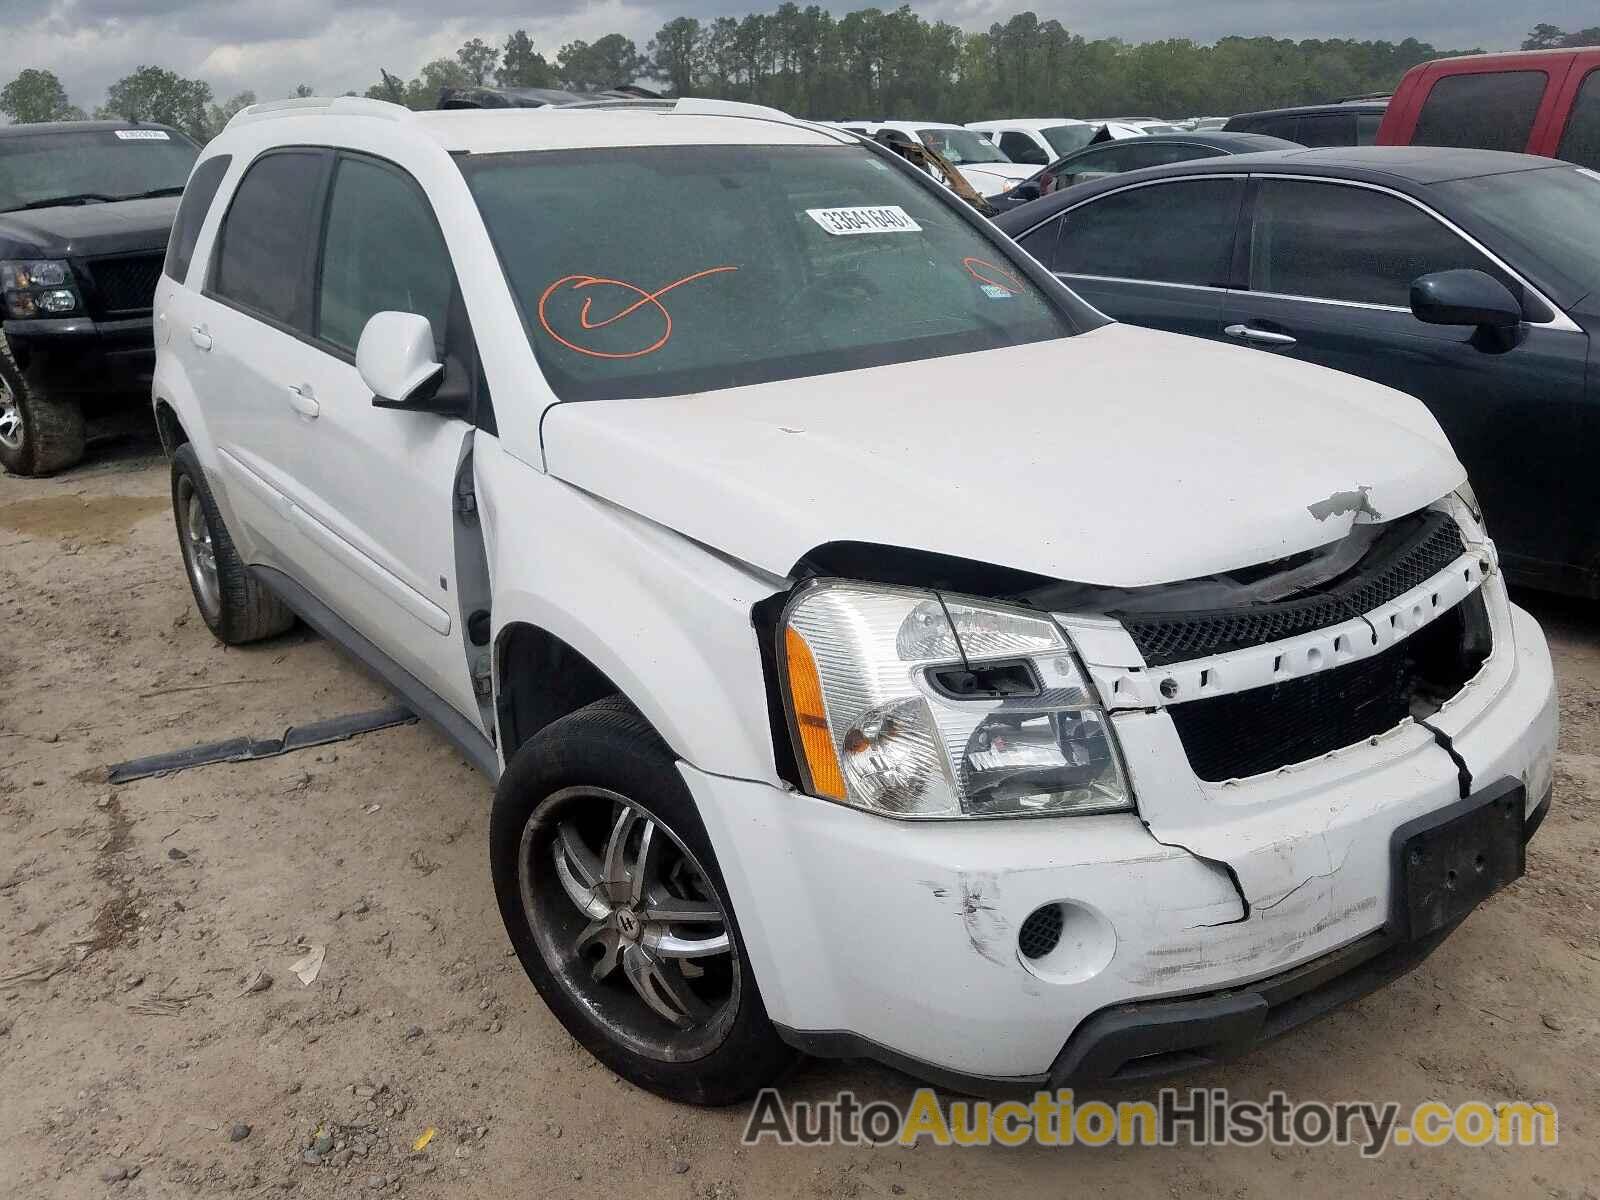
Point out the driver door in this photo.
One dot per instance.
(373, 488)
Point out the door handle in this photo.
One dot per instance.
(303, 402)
(1262, 337)
(199, 336)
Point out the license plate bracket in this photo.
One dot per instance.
(1450, 861)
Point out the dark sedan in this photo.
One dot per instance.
(1131, 154)
(1465, 277)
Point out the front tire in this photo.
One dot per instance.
(234, 604)
(614, 902)
(39, 435)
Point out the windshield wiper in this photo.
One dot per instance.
(55, 201)
(176, 190)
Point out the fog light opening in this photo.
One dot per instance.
(1041, 932)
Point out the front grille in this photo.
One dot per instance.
(1417, 549)
(1247, 733)
(125, 283)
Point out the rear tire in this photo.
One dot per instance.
(643, 992)
(234, 604)
(38, 435)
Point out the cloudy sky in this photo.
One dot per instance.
(269, 46)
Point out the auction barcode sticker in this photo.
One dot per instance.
(143, 135)
(889, 218)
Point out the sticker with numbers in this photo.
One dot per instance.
(886, 218)
(143, 135)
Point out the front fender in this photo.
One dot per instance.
(667, 621)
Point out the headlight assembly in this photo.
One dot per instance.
(909, 705)
(37, 289)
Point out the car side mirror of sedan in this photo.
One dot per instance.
(1026, 191)
(1464, 297)
(397, 360)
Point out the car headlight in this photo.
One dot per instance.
(908, 704)
(37, 289)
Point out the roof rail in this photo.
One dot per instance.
(695, 106)
(351, 106)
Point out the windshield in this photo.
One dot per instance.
(960, 147)
(1064, 139)
(1550, 214)
(648, 272)
(88, 165)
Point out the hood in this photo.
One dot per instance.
(989, 178)
(1121, 457)
(80, 230)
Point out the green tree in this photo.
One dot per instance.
(674, 54)
(478, 59)
(157, 94)
(523, 66)
(423, 91)
(608, 63)
(37, 95)
(218, 115)
(389, 87)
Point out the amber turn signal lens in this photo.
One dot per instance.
(805, 701)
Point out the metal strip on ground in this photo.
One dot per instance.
(247, 749)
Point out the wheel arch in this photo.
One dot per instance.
(170, 428)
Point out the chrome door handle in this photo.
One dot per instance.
(199, 336)
(1262, 337)
(303, 402)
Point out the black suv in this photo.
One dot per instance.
(86, 208)
(1347, 123)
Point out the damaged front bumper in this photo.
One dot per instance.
(1249, 905)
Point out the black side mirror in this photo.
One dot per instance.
(1464, 297)
(1026, 191)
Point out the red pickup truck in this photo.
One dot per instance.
(1544, 102)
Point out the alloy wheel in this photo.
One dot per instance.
(629, 923)
(199, 554)
(11, 434)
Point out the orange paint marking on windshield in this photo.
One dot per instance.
(644, 298)
(976, 267)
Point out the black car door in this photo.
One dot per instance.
(1154, 253)
(1330, 266)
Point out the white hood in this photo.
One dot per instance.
(990, 179)
(1122, 457)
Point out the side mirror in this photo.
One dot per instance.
(1026, 191)
(1464, 297)
(397, 360)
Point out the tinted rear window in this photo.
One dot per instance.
(1327, 129)
(1489, 111)
(1581, 141)
(657, 271)
(1166, 233)
(197, 198)
(262, 245)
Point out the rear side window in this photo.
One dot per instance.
(1279, 127)
(1164, 233)
(1327, 129)
(1581, 142)
(192, 210)
(1367, 125)
(383, 253)
(262, 245)
(1022, 148)
(1489, 111)
(1331, 242)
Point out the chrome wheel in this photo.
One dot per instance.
(199, 555)
(627, 920)
(10, 418)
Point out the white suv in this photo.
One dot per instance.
(878, 652)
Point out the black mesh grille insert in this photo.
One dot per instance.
(1231, 737)
(1041, 932)
(126, 283)
(1415, 550)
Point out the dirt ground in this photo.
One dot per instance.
(133, 919)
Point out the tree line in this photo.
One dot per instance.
(866, 64)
